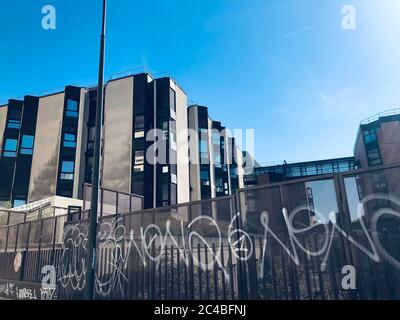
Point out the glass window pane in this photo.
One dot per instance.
(72, 105)
(11, 145)
(139, 122)
(67, 167)
(27, 142)
(14, 124)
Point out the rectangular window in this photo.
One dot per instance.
(27, 145)
(91, 138)
(14, 124)
(67, 170)
(173, 161)
(172, 99)
(10, 149)
(164, 195)
(205, 177)
(89, 169)
(139, 134)
(173, 178)
(19, 202)
(374, 157)
(92, 133)
(139, 161)
(72, 108)
(174, 198)
(69, 140)
(173, 140)
(139, 122)
(219, 185)
(203, 151)
(379, 181)
(369, 136)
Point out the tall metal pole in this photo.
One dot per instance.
(91, 268)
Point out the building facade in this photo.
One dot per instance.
(47, 145)
(292, 171)
(378, 140)
(378, 144)
(40, 147)
(215, 160)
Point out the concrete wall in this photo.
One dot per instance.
(45, 158)
(3, 119)
(183, 186)
(389, 142)
(117, 149)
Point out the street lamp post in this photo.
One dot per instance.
(92, 253)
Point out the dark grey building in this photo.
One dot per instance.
(39, 146)
(214, 157)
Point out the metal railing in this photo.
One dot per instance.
(287, 240)
(113, 202)
(377, 116)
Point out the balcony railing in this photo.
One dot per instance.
(391, 112)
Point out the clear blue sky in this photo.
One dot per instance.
(283, 67)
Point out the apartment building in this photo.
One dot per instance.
(47, 145)
(215, 160)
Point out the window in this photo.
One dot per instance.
(174, 194)
(379, 183)
(10, 149)
(216, 138)
(14, 124)
(89, 169)
(139, 134)
(67, 170)
(205, 177)
(19, 202)
(219, 185)
(139, 161)
(234, 172)
(203, 152)
(173, 140)
(172, 103)
(203, 146)
(91, 138)
(164, 195)
(173, 161)
(374, 157)
(69, 140)
(173, 178)
(92, 133)
(27, 145)
(217, 159)
(369, 136)
(72, 108)
(139, 122)
(327, 168)
(66, 193)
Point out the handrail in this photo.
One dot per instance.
(390, 112)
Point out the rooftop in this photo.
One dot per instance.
(383, 114)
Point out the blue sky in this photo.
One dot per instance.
(283, 67)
